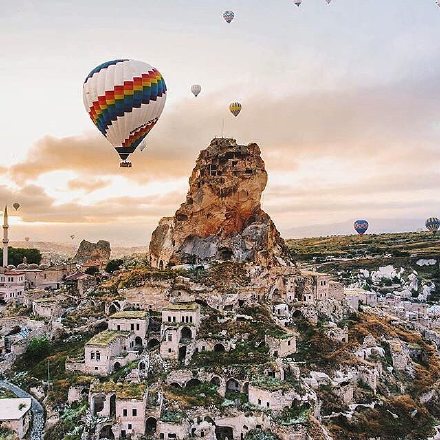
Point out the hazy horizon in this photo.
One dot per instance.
(342, 99)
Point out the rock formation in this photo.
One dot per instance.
(89, 252)
(221, 218)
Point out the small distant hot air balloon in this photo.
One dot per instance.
(16, 206)
(124, 98)
(297, 2)
(196, 89)
(235, 108)
(72, 237)
(361, 226)
(228, 16)
(26, 238)
(432, 224)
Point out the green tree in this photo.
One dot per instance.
(38, 348)
(93, 270)
(113, 265)
(16, 255)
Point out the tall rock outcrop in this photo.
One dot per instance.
(221, 218)
(93, 252)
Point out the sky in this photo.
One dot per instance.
(343, 100)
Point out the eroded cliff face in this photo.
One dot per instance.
(88, 251)
(221, 218)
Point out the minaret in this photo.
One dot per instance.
(5, 237)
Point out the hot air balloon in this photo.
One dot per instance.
(16, 206)
(124, 98)
(432, 224)
(26, 238)
(196, 89)
(228, 16)
(72, 237)
(235, 108)
(361, 226)
(297, 2)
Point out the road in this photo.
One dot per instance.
(38, 421)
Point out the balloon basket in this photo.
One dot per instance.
(125, 164)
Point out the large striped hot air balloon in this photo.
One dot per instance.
(361, 226)
(432, 224)
(124, 99)
(235, 108)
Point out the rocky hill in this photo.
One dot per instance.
(88, 251)
(221, 219)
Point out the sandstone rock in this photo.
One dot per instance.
(99, 252)
(221, 218)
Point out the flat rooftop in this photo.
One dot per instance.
(14, 408)
(130, 314)
(182, 306)
(106, 337)
(122, 390)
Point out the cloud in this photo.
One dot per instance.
(86, 185)
(37, 206)
(328, 153)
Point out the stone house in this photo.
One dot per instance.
(273, 397)
(15, 415)
(122, 407)
(352, 298)
(133, 321)
(175, 431)
(181, 313)
(236, 427)
(319, 283)
(46, 277)
(336, 333)
(104, 353)
(283, 345)
(12, 286)
(49, 308)
(80, 282)
(179, 329)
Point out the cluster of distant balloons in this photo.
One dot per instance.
(125, 99)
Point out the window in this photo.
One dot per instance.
(96, 368)
(267, 404)
(134, 412)
(190, 319)
(259, 401)
(118, 327)
(124, 412)
(174, 319)
(129, 426)
(132, 326)
(98, 356)
(92, 355)
(183, 319)
(123, 433)
(288, 343)
(169, 350)
(137, 327)
(169, 318)
(170, 337)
